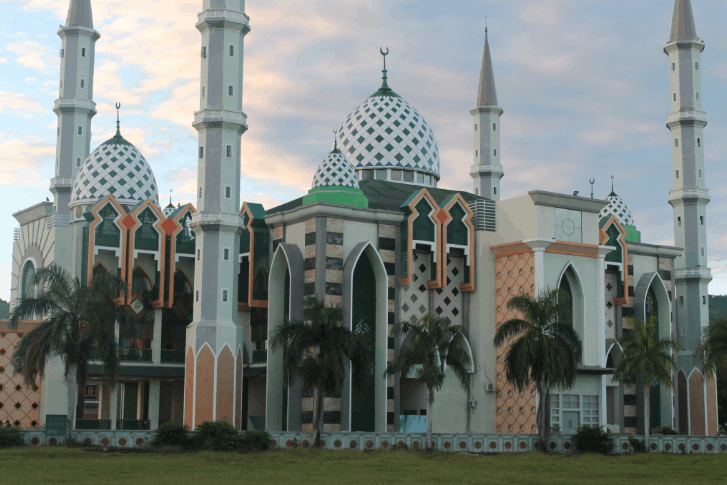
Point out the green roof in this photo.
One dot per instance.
(390, 196)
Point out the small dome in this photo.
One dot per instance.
(169, 210)
(335, 171)
(115, 167)
(387, 132)
(618, 208)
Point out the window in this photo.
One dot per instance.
(495, 151)
(704, 299)
(495, 190)
(590, 411)
(677, 173)
(61, 83)
(59, 131)
(679, 221)
(200, 192)
(699, 142)
(225, 254)
(681, 300)
(475, 126)
(673, 66)
(78, 161)
(702, 251)
(700, 173)
(676, 142)
(198, 254)
(196, 295)
(476, 191)
(229, 151)
(224, 296)
(701, 220)
(554, 409)
(697, 93)
(228, 192)
(83, 84)
(201, 152)
(63, 51)
(203, 91)
(675, 96)
(232, 50)
(476, 153)
(204, 52)
(230, 90)
(80, 130)
(83, 52)
(696, 65)
(28, 288)
(494, 126)
(571, 401)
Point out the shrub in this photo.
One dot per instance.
(171, 434)
(10, 437)
(666, 430)
(255, 440)
(592, 440)
(216, 436)
(637, 445)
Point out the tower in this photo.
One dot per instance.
(487, 170)
(689, 198)
(74, 107)
(213, 387)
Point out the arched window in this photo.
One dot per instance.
(363, 320)
(140, 281)
(565, 286)
(652, 306)
(181, 284)
(27, 286)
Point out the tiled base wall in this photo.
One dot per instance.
(463, 443)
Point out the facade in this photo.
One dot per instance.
(376, 236)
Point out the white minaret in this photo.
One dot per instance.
(75, 106)
(214, 338)
(487, 169)
(689, 198)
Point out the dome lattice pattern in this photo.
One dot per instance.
(386, 131)
(116, 167)
(618, 208)
(335, 171)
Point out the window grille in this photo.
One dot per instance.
(484, 218)
(423, 225)
(457, 229)
(364, 322)
(146, 237)
(107, 234)
(185, 237)
(27, 284)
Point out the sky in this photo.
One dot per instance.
(583, 83)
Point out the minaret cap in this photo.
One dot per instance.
(682, 25)
(79, 14)
(486, 93)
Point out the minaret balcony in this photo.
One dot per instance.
(678, 195)
(689, 115)
(64, 104)
(218, 218)
(220, 116)
(701, 273)
(231, 16)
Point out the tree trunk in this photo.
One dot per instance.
(647, 416)
(546, 416)
(430, 400)
(72, 393)
(317, 414)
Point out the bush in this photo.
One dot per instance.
(10, 437)
(216, 436)
(255, 440)
(666, 430)
(592, 440)
(171, 434)
(637, 445)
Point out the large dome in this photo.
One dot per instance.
(115, 167)
(335, 171)
(618, 208)
(387, 139)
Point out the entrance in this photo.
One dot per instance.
(571, 420)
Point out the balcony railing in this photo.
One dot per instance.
(173, 356)
(259, 356)
(133, 424)
(93, 424)
(135, 355)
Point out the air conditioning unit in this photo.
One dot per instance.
(490, 387)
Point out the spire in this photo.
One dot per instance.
(682, 25)
(335, 143)
(79, 14)
(612, 194)
(118, 123)
(384, 90)
(486, 93)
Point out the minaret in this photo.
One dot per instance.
(214, 338)
(689, 198)
(487, 170)
(75, 106)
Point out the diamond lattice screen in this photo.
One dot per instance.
(18, 404)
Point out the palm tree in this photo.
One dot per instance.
(434, 345)
(324, 346)
(545, 349)
(643, 352)
(712, 351)
(77, 326)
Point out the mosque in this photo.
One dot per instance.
(375, 235)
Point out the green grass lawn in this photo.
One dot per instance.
(73, 466)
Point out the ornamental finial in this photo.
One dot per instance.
(118, 123)
(384, 84)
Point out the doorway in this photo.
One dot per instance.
(570, 421)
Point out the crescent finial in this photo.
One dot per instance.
(384, 53)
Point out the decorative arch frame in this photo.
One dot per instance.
(287, 258)
(172, 227)
(382, 333)
(95, 220)
(131, 222)
(410, 205)
(603, 239)
(579, 306)
(21, 279)
(246, 209)
(649, 280)
(445, 218)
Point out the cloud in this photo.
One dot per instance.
(20, 104)
(34, 55)
(23, 159)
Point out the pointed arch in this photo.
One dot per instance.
(683, 400)
(653, 282)
(697, 401)
(570, 281)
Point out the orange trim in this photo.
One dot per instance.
(573, 249)
(603, 239)
(173, 250)
(161, 248)
(511, 248)
(458, 199)
(92, 233)
(406, 281)
(251, 303)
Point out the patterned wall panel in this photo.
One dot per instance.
(387, 251)
(18, 404)
(568, 225)
(448, 301)
(516, 411)
(310, 257)
(610, 291)
(415, 298)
